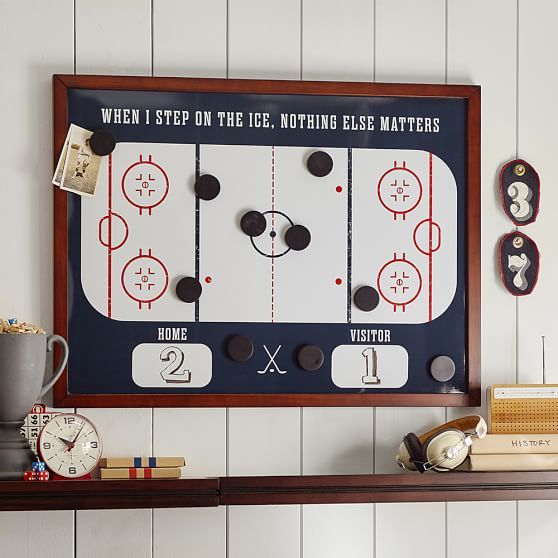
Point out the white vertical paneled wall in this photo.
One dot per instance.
(26, 66)
(115, 38)
(537, 116)
(507, 46)
(410, 47)
(491, 63)
(190, 39)
(340, 48)
(264, 42)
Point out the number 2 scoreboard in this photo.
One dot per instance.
(270, 243)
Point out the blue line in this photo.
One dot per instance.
(349, 230)
(197, 264)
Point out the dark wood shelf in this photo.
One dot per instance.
(323, 489)
(429, 487)
(98, 494)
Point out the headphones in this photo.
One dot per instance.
(443, 448)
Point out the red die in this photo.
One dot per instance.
(42, 475)
(29, 475)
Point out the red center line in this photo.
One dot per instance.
(273, 230)
(430, 237)
(109, 263)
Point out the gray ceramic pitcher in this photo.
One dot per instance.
(22, 369)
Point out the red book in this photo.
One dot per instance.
(141, 473)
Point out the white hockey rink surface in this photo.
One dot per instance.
(138, 235)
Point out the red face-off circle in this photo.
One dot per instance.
(399, 282)
(145, 184)
(399, 190)
(145, 279)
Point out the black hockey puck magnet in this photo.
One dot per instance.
(442, 368)
(297, 237)
(207, 187)
(319, 163)
(366, 298)
(188, 289)
(239, 348)
(102, 142)
(253, 223)
(310, 357)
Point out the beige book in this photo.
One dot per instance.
(516, 443)
(127, 462)
(514, 462)
(141, 473)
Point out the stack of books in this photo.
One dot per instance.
(515, 452)
(141, 467)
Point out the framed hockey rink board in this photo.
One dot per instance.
(338, 265)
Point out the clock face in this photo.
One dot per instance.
(70, 445)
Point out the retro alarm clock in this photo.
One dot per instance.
(70, 446)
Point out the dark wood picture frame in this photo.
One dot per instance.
(469, 93)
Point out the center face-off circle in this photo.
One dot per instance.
(271, 243)
(399, 191)
(399, 282)
(145, 279)
(145, 185)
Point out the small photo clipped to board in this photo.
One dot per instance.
(78, 167)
